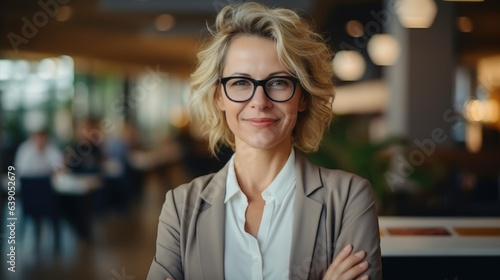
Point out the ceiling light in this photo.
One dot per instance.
(416, 13)
(164, 22)
(349, 65)
(64, 14)
(354, 28)
(383, 49)
(464, 24)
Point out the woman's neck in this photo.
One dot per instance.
(255, 168)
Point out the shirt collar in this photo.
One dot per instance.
(232, 187)
(282, 183)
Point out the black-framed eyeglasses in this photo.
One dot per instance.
(242, 89)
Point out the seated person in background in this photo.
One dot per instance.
(87, 145)
(263, 86)
(37, 156)
(35, 161)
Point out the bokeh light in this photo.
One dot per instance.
(354, 28)
(64, 14)
(464, 24)
(416, 13)
(383, 49)
(164, 22)
(349, 65)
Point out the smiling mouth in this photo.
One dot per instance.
(261, 122)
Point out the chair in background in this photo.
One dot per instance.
(39, 200)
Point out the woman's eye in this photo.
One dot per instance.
(239, 83)
(279, 83)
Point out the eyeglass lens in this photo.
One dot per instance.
(242, 89)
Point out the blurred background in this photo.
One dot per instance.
(93, 113)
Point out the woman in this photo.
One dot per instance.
(264, 87)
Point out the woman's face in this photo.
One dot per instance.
(259, 122)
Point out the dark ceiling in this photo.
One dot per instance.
(122, 32)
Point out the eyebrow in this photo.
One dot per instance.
(270, 74)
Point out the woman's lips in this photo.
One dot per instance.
(261, 122)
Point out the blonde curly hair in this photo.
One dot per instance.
(301, 50)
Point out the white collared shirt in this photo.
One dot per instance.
(268, 256)
(29, 161)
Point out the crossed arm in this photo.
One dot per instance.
(346, 266)
(358, 219)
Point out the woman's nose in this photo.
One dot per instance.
(260, 99)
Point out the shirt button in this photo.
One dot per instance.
(266, 195)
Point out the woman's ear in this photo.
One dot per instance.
(219, 99)
(303, 102)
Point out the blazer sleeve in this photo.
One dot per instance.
(167, 261)
(359, 226)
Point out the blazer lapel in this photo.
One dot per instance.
(211, 227)
(211, 222)
(306, 218)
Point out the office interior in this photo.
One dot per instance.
(417, 113)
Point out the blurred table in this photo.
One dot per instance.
(415, 236)
(440, 247)
(76, 184)
(76, 195)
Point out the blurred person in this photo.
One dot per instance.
(36, 160)
(118, 149)
(128, 140)
(87, 148)
(124, 182)
(263, 86)
(77, 187)
(197, 157)
(37, 156)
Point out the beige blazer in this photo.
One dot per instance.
(333, 208)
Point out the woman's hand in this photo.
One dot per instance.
(347, 267)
